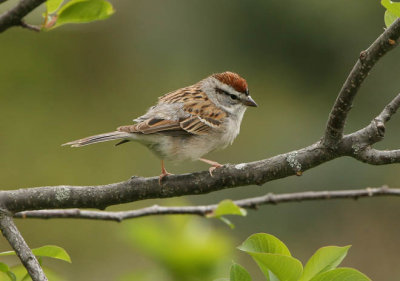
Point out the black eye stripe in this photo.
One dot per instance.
(221, 91)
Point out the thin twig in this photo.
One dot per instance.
(390, 109)
(30, 26)
(337, 118)
(249, 203)
(359, 143)
(17, 242)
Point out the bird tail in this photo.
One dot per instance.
(100, 138)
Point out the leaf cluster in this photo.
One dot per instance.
(18, 273)
(277, 264)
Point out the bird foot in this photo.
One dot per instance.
(213, 167)
(162, 176)
(164, 173)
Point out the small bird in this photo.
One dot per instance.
(188, 123)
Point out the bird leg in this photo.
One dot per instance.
(214, 165)
(164, 172)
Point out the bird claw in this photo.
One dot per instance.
(162, 176)
(214, 165)
(212, 168)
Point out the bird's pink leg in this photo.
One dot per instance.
(164, 172)
(214, 165)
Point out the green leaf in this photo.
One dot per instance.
(12, 276)
(278, 267)
(239, 273)
(227, 207)
(273, 257)
(227, 222)
(81, 11)
(46, 251)
(324, 259)
(264, 243)
(392, 7)
(53, 5)
(22, 275)
(51, 251)
(389, 18)
(4, 268)
(341, 274)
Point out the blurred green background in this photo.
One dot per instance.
(81, 80)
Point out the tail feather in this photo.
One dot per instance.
(99, 138)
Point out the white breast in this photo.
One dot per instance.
(193, 147)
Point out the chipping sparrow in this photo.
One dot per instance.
(189, 122)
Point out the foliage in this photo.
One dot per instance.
(238, 272)
(277, 264)
(75, 11)
(185, 248)
(392, 11)
(19, 273)
(227, 207)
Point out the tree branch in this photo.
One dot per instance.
(389, 110)
(378, 157)
(249, 203)
(332, 145)
(30, 26)
(14, 16)
(337, 118)
(137, 188)
(17, 242)
(356, 145)
(258, 172)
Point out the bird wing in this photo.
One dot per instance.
(151, 126)
(199, 115)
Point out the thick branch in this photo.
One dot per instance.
(138, 188)
(14, 16)
(17, 242)
(249, 203)
(356, 145)
(258, 172)
(384, 43)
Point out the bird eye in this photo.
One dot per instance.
(234, 97)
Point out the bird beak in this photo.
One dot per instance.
(249, 102)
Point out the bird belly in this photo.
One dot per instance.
(178, 149)
(190, 147)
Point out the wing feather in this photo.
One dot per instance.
(200, 114)
(151, 126)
